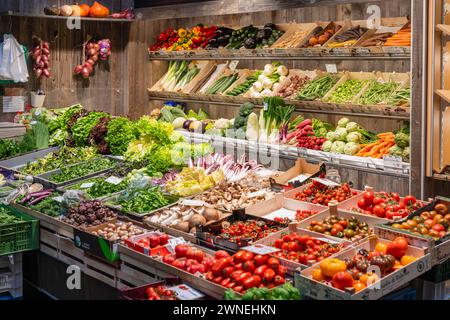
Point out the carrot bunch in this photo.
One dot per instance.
(379, 148)
(401, 38)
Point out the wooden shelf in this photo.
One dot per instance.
(372, 165)
(444, 94)
(386, 112)
(363, 53)
(444, 28)
(44, 16)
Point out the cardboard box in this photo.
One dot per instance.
(282, 207)
(387, 284)
(301, 171)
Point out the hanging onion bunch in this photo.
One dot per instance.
(91, 51)
(41, 59)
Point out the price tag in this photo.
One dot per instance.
(58, 199)
(327, 182)
(331, 67)
(261, 249)
(114, 180)
(192, 203)
(300, 178)
(335, 158)
(233, 64)
(256, 194)
(185, 292)
(173, 242)
(393, 162)
(87, 185)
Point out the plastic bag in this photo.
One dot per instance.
(13, 64)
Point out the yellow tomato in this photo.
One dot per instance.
(358, 286)
(331, 266)
(407, 260)
(368, 279)
(317, 275)
(381, 247)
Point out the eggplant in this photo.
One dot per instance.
(263, 34)
(270, 26)
(250, 43)
(186, 124)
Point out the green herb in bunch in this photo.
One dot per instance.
(400, 97)
(244, 86)
(317, 88)
(82, 169)
(100, 187)
(6, 217)
(82, 128)
(377, 92)
(28, 142)
(40, 130)
(143, 200)
(55, 160)
(120, 134)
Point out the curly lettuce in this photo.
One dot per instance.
(120, 134)
(82, 128)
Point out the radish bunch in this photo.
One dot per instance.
(41, 60)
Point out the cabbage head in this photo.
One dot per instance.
(352, 148)
(338, 147)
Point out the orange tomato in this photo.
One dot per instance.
(358, 286)
(368, 279)
(407, 260)
(381, 247)
(317, 275)
(331, 266)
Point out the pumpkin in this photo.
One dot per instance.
(98, 11)
(84, 9)
(76, 10)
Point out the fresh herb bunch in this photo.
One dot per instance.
(120, 134)
(377, 92)
(82, 169)
(143, 200)
(100, 187)
(11, 147)
(55, 160)
(6, 217)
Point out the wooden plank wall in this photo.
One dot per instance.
(106, 90)
(155, 20)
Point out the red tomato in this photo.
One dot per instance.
(395, 196)
(227, 271)
(169, 258)
(235, 275)
(293, 246)
(199, 255)
(269, 275)
(221, 254)
(238, 266)
(249, 266)
(377, 200)
(398, 247)
(181, 250)
(273, 263)
(238, 256)
(409, 200)
(399, 206)
(281, 270)
(287, 238)
(219, 265)
(342, 280)
(247, 256)
(379, 211)
(164, 239)
(368, 197)
(438, 227)
(243, 276)
(218, 279)
(251, 282)
(238, 288)
(278, 280)
(362, 204)
(260, 270)
(261, 259)
(278, 243)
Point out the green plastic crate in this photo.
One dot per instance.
(21, 236)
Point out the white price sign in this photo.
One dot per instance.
(114, 180)
(261, 249)
(86, 185)
(327, 182)
(256, 194)
(331, 67)
(393, 162)
(173, 242)
(192, 203)
(185, 292)
(233, 64)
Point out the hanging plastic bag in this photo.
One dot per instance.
(13, 63)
